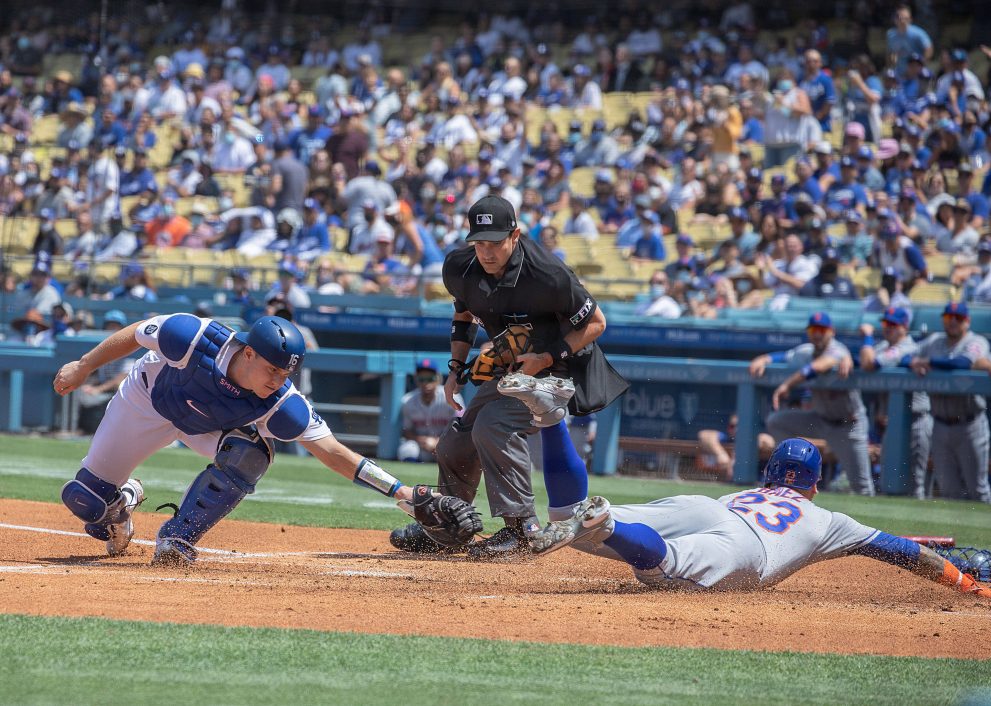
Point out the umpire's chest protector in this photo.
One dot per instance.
(199, 398)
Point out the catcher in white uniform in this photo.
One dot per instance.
(225, 395)
(742, 541)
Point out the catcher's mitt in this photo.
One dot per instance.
(506, 347)
(449, 521)
(969, 560)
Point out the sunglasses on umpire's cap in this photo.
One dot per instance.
(491, 218)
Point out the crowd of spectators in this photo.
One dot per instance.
(821, 156)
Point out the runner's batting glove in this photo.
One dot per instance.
(449, 521)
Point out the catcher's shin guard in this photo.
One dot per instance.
(242, 458)
(209, 499)
(546, 398)
(101, 504)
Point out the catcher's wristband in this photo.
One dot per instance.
(370, 475)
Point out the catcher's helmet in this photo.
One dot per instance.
(795, 463)
(277, 341)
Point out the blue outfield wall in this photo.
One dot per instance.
(669, 398)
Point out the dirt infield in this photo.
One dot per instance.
(349, 580)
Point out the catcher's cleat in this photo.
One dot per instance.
(173, 552)
(413, 538)
(547, 398)
(590, 520)
(121, 532)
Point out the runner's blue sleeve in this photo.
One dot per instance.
(891, 549)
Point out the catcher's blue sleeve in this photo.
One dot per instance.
(177, 335)
(290, 419)
(894, 550)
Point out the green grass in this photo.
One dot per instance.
(90, 661)
(300, 491)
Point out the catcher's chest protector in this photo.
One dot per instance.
(199, 398)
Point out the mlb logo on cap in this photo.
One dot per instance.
(820, 319)
(491, 218)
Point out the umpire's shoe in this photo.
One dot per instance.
(412, 538)
(509, 542)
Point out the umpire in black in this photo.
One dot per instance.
(506, 281)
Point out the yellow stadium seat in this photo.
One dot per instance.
(587, 268)
(338, 237)
(867, 279)
(171, 275)
(22, 268)
(62, 269)
(203, 256)
(575, 246)
(17, 234)
(616, 108)
(67, 227)
(930, 293)
(581, 181)
(45, 130)
(106, 272)
(939, 264)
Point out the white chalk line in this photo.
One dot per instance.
(370, 574)
(229, 556)
(218, 555)
(150, 543)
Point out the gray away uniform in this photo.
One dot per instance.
(920, 443)
(960, 428)
(742, 541)
(838, 416)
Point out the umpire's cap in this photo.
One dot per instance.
(277, 341)
(795, 463)
(491, 218)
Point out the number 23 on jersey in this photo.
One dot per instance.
(779, 522)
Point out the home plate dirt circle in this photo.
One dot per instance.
(352, 580)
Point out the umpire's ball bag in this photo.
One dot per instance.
(597, 383)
